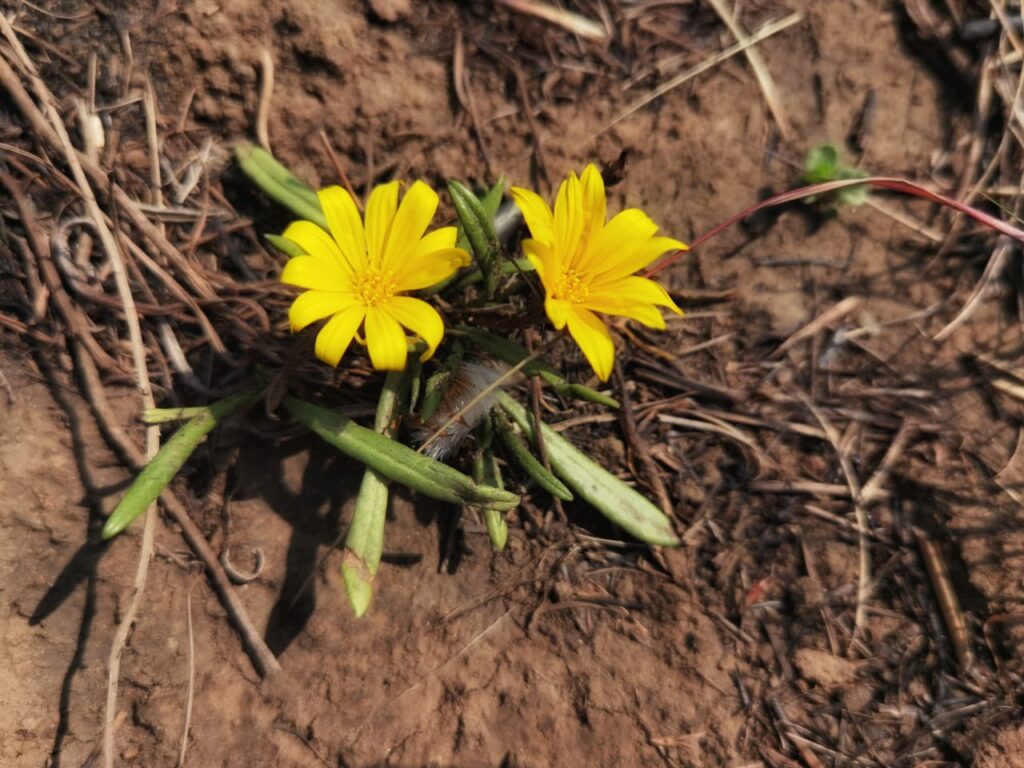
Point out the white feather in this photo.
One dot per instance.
(462, 408)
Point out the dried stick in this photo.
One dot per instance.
(338, 169)
(757, 63)
(12, 84)
(150, 108)
(825, 319)
(538, 143)
(266, 91)
(639, 445)
(810, 487)
(568, 20)
(946, 597)
(5, 384)
(996, 263)
(864, 580)
(769, 29)
(191, 681)
(872, 489)
(464, 94)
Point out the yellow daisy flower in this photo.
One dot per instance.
(354, 274)
(587, 264)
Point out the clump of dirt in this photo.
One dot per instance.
(571, 647)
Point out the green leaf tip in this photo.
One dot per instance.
(280, 184)
(624, 506)
(162, 468)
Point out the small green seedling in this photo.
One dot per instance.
(822, 165)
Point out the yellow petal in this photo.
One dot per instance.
(315, 242)
(558, 311)
(543, 260)
(536, 213)
(346, 225)
(420, 318)
(569, 220)
(336, 335)
(647, 314)
(430, 269)
(641, 256)
(316, 305)
(616, 243)
(595, 341)
(385, 340)
(316, 272)
(438, 240)
(594, 205)
(380, 213)
(631, 291)
(412, 219)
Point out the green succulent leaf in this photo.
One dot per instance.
(530, 464)
(280, 184)
(614, 499)
(396, 461)
(162, 468)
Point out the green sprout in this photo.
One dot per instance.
(822, 165)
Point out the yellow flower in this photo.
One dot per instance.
(354, 274)
(586, 264)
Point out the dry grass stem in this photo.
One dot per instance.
(769, 29)
(572, 22)
(266, 94)
(945, 595)
(993, 270)
(190, 694)
(639, 445)
(863, 523)
(757, 63)
(824, 320)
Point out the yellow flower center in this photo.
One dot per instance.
(374, 287)
(572, 287)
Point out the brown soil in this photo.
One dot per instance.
(734, 650)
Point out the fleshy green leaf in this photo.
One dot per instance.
(396, 461)
(477, 223)
(364, 542)
(485, 470)
(610, 496)
(284, 245)
(162, 468)
(530, 464)
(280, 184)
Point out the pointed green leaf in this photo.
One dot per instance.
(396, 461)
(279, 183)
(613, 498)
(162, 468)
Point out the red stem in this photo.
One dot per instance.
(899, 185)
